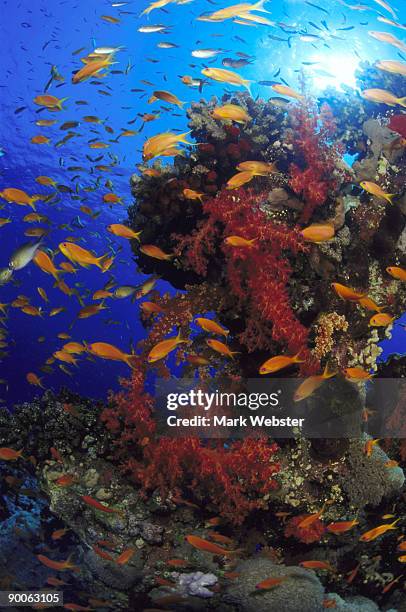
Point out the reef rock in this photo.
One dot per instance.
(301, 591)
(352, 604)
(367, 480)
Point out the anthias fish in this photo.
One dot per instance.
(206, 546)
(372, 534)
(94, 503)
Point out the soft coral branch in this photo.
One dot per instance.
(314, 179)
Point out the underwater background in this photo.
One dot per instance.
(313, 97)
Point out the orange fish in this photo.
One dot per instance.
(353, 573)
(9, 454)
(111, 198)
(56, 454)
(310, 384)
(391, 464)
(151, 308)
(402, 559)
(59, 566)
(45, 263)
(369, 304)
(102, 553)
(221, 539)
(117, 229)
(106, 544)
(239, 241)
(312, 518)
(91, 69)
(50, 102)
(58, 534)
(369, 444)
(40, 139)
(322, 565)
(18, 196)
(45, 122)
(377, 191)
(215, 521)
(79, 255)
(239, 179)
(396, 272)
(89, 311)
(65, 265)
(270, 583)
(372, 534)
(46, 181)
(110, 19)
(56, 311)
(285, 90)
(64, 356)
(101, 294)
(96, 504)
(177, 563)
(342, 526)
(191, 194)
(197, 360)
(163, 348)
(166, 96)
(210, 547)
(36, 232)
(211, 326)
(257, 168)
(125, 556)
(75, 348)
(55, 581)
(221, 348)
(31, 310)
(66, 480)
(33, 379)
(274, 364)
(382, 319)
(402, 546)
(357, 374)
(109, 351)
(329, 603)
(153, 251)
(392, 582)
(318, 232)
(161, 143)
(346, 293)
(99, 145)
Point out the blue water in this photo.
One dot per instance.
(37, 35)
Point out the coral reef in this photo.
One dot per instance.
(275, 296)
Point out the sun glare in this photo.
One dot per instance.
(334, 70)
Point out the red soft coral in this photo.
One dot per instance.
(258, 276)
(314, 179)
(234, 480)
(397, 123)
